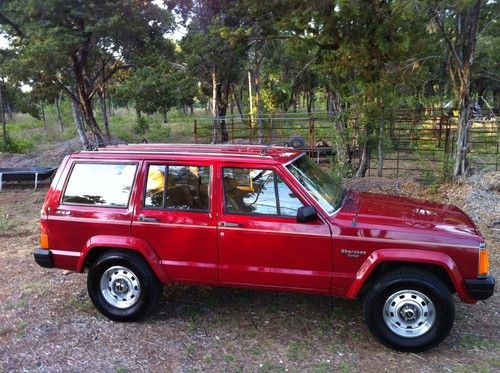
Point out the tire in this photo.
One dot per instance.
(122, 286)
(417, 300)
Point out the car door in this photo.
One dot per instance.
(260, 241)
(174, 214)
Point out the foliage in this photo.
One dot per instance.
(15, 145)
(359, 60)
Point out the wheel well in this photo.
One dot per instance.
(385, 267)
(96, 252)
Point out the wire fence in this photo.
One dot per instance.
(414, 141)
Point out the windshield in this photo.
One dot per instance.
(319, 184)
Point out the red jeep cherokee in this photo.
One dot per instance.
(139, 216)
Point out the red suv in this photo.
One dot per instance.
(139, 216)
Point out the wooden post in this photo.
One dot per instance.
(250, 98)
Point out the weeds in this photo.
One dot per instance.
(297, 350)
(7, 223)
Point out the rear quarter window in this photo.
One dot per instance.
(98, 184)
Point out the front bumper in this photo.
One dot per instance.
(44, 258)
(481, 288)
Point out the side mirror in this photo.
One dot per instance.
(306, 213)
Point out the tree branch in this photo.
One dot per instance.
(106, 78)
(440, 24)
(6, 21)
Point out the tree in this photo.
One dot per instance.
(80, 44)
(458, 25)
(212, 57)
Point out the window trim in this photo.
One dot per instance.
(276, 193)
(164, 208)
(68, 178)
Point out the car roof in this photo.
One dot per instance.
(279, 154)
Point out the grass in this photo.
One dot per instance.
(473, 342)
(7, 223)
(297, 350)
(21, 328)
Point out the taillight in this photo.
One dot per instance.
(484, 263)
(44, 237)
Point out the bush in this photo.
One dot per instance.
(141, 126)
(17, 146)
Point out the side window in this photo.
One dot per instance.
(98, 184)
(289, 202)
(257, 191)
(178, 187)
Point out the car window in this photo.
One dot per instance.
(107, 185)
(186, 187)
(258, 191)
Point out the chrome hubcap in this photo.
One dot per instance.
(120, 287)
(409, 313)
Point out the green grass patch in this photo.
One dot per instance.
(7, 223)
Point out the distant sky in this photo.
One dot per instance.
(3, 42)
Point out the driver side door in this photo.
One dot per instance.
(261, 244)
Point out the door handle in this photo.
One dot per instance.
(145, 219)
(228, 224)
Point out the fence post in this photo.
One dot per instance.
(195, 131)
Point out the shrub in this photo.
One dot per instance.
(141, 126)
(17, 146)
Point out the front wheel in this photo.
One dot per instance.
(122, 286)
(409, 310)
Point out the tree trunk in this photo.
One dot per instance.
(164, 116)
(237, 101)
(329, 103)
(461, 43)
(9, 110)
(365, 156)
(380, 147)
(84, 100)
(214, 107)
(2, 116)
(310, 101)
(79, 125)
(496, 99)
(58, 109)
(464, 124)
(43, 116)
(110, 105)
(340, 137)
(222, 103)
(104, 112)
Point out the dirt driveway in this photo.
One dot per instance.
(47, 322)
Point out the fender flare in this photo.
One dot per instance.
(411, 256)
(135, 244)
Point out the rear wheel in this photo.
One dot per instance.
(122, 286)
(409, 310)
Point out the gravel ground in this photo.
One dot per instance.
(47, 322)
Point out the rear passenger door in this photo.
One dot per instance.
(174, 213)
(260, 241)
